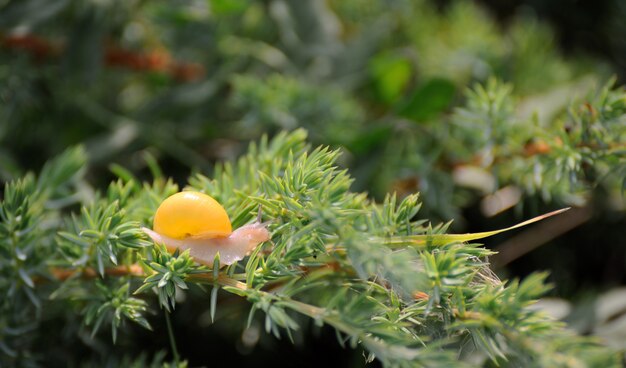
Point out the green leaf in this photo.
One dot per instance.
(213, 303)
(236, 291)
(228, 7)
(74, 239)
(429, 100)
(443, 239)
(391, 75)
(26, 278)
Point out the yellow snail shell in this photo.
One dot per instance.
(196, 221)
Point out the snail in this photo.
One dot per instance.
(196, 221)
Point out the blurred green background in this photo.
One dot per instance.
(458, 100)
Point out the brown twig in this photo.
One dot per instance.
(63, 274)
(136, 270)
(114, 56)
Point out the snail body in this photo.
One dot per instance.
(196, 221)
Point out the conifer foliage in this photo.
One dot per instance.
(79, 258)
